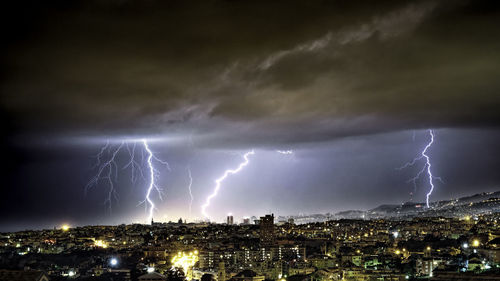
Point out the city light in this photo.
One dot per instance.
(475, 243)
(113, 262)
(150, 269)
(465, 245)
(65, 227)
(186, 262)
(100, 244)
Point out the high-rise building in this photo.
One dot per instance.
(221, 271)
(267, 234)
(230, 220)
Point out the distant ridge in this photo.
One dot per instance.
(471, 205)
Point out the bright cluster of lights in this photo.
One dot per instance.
(71, 273)
(100, 244)
(186, 261)
(65, 227)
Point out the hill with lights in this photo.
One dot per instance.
(477, 204)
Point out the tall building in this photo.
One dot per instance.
(221, 271)
(267, 234)
(230, 220)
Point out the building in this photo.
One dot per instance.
(118, 275)
(248, 275)
(426, 266)
(153, 276)
(25, 275)
(449, 276)
(230, 220)
(267, 233)
(221, 274)
(155, 252)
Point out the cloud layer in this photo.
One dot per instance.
(234, 72)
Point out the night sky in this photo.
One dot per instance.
(349, 86)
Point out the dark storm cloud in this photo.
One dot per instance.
(238, 71)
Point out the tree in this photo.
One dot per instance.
(207, 277)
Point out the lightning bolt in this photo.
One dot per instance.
(219, 181)
(286, 152)
(108, 171)
(189, 188)
(99, 155)
(133, 164)
(153, 175)
(425, 169)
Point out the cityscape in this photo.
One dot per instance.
(459, 245)
(250, 140)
